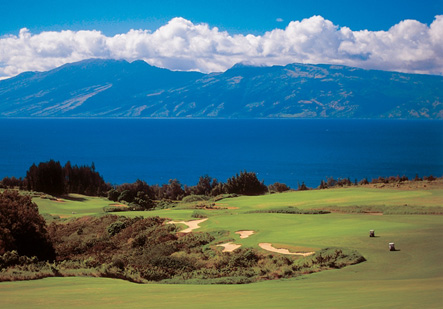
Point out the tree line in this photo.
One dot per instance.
(346, 182)
(53, 178)
(141, 195)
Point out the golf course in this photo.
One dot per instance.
(299, 222)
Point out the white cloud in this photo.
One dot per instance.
(408, 46)
(279, 20)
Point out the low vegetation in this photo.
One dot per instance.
(145, 249)
(292, 210)
(387, 210)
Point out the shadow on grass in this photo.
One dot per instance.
(75, 199)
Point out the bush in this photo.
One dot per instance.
(113, 195)
(198, 214)
(279, 187)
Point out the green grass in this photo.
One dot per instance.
(339, 197)
(74, 205)
(316, 291)
(411, 277)
(313, 199)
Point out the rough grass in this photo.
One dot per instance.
(387, 210)
(291, 210)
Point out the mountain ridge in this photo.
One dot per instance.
(117, 88)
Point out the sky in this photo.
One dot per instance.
(211, 36)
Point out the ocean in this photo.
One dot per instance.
(289, 151)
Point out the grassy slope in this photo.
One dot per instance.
(411, 277)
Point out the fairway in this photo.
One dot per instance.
(410, 277)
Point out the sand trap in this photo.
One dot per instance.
(244, 234)
(229, 246)
(192, 225)
(269, 247)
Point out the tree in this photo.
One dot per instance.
(302, 187)
(364, 181)
(47, 177)
(113, 195)
(218, 189)
(246, 183)
(126, 196)
(323, 185)
(205, 185)
(173, 190)
(22, 228)
(278, 187)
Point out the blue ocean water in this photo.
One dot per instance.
(291, 151)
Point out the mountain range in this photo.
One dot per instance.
(117, 88)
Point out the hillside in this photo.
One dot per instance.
(111, 88)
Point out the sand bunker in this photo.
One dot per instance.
(269, 247)
(244, 234)
(192, 225)
(229, 246)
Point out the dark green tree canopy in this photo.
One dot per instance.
(22, 228)
(246, 183)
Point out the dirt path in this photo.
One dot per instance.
(269, 247)
(192, 225)
(229, 246)
(244, 234)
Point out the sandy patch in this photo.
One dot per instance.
(192, 225)
(244, 234)
(229, 246)
(118, 205)
(269, 247)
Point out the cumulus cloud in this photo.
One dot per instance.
(408, 46)
(279, 20)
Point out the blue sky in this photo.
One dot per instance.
(234, 16)
(211, 36)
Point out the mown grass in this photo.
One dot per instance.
(410, 277)
(353, 199)
(339, 197)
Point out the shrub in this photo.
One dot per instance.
(113, 195)
(198, 214)
(116, 227)
(278, 187)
